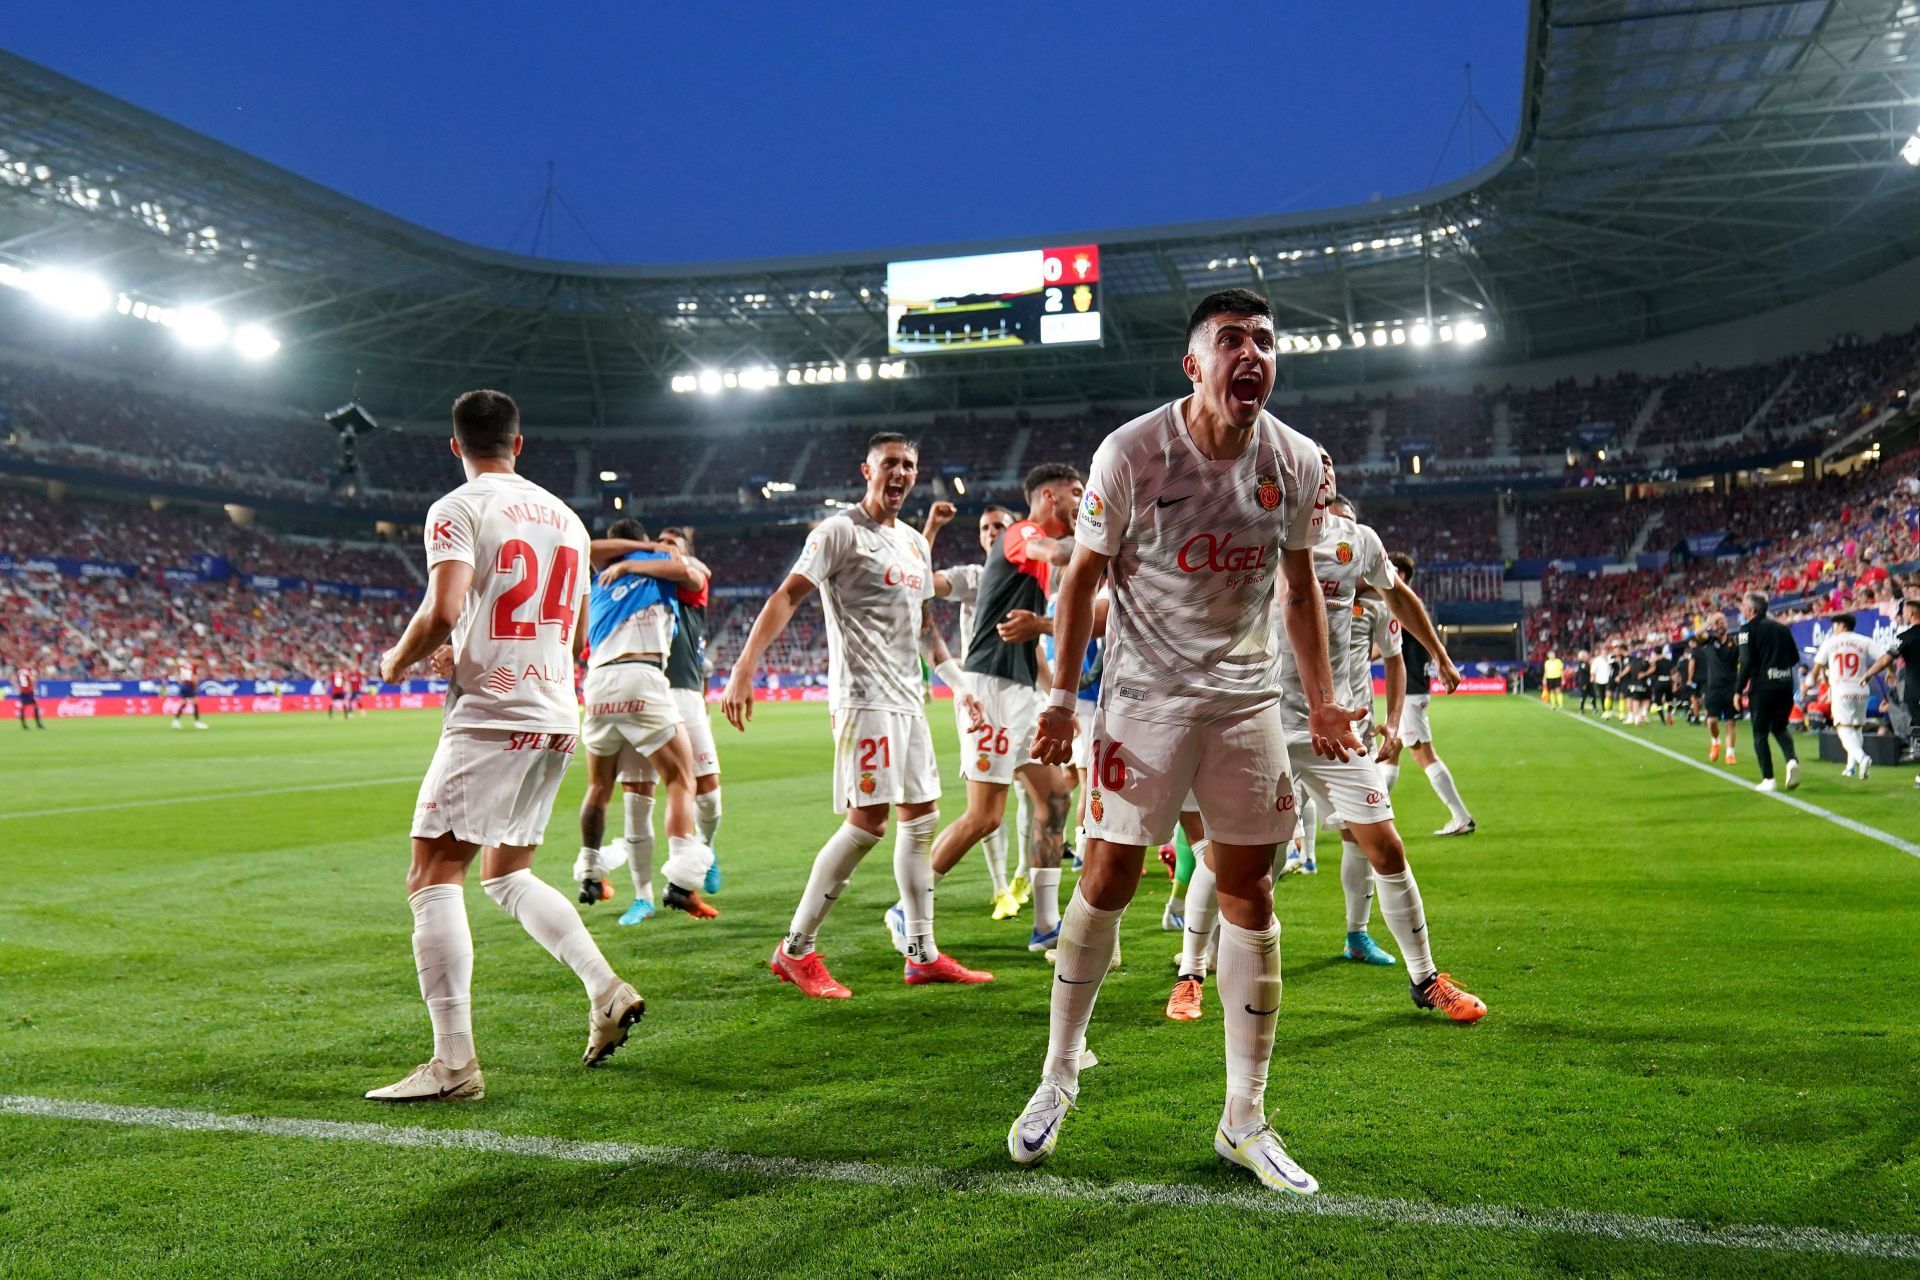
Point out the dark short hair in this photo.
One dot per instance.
(628, 528)
(1343, 500)
(994, 506)
(684, 532)
(1758, 599)
(1048, 473)
(485, 423)
(1227, 302)
(1402, 564)
(1911, 602)
(1846, 620)
(881, 439)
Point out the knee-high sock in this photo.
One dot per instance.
(1356, 883)
(1022, 837)
(706, 808)
(1203, 907)
(688, 861)
(546, 914)
(993, 851)
(1391, 773)
(1249, 983)
(1442, 779)
(640, 843)
(913, 873)
(1309, 826)
(1088, 937)
(443, 956)
(831, 868)
(1406, 916)
(1046, 897)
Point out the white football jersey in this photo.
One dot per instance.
(1346, 555)
(1847, 655)
(963, 588)
(1195, 550)
(513, 645)
(874, 580)
(1374, 626)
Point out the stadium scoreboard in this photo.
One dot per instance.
(991, 301)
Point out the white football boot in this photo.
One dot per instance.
(609, 1020)
(435, 1081)
(1034, 1133)
(1257, 1149)
(1793, 774)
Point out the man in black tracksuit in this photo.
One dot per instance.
(1768, 657)
(1906, 647)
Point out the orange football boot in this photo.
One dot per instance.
(1184, 1004)
(1438, 992)
(807, 972)
(943, 968)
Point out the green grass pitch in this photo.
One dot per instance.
(1702, 1005)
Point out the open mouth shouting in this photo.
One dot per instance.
(1247, 389)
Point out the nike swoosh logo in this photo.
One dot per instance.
(830, 897)
(1261, 1013)
(1072, 982)
(1285, 1177)
(1042, 1140)
(1421, 929)
(1170, 502)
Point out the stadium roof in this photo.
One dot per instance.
(1676, 164)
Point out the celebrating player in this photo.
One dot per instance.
(506, 566)
(631, 714)
(1001, 673)
(1191, 509)
(26, 693)
(1843, 660)
(874, 579)
(1415, 730)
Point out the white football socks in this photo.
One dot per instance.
(993, 850)
(1390, 772)
(1406, 916)
(640, 843)
(1022, 814)
(544, 912)
(1088, 937)
(706, 808)
(1249, 984)
(1442, 779)
(1850, 740)
(1356, 882)
(1309, 826)
(688, 860)
(913, 873)
(443, 956)
(832, 867)
(1203, 907)
(1046, 898)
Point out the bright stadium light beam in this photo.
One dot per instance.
(73, 292)
(710, 381)
(198, 327)
(1911, 151)
(254, 343)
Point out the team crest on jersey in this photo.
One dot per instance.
(866, 783)
(1267, 492)
(1344, 553)
(1359, 610)
(1094, 807)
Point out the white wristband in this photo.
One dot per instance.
(949, 673)
(1062, 699)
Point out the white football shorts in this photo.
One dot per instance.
(630, 714)
(1141, 772)
(882, 757)
(1850, 709)
(492, 786)
(1347, 791)
(1005, 744)
(694, 714)
(1083, 709)
(1414, 728)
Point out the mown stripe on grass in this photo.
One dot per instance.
(1629, 1228)
(198, 796)
(1838, 819)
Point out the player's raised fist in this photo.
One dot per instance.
(941, 513)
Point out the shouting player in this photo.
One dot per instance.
(1844, 658)
(874, 579)
(1195, 511)
(506, 579)
(1001, 674)
(631, 715)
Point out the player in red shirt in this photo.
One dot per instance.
(337, 694)
(186, 691)
(355, 683)
(26, 689)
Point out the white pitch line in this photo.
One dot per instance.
(1837, 819)
(207, 795)
(1625, 1227)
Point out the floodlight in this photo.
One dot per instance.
(198, 327)
(710, 381)
(254, 342)
(1421, 335)
(71, 291)
(608, 477)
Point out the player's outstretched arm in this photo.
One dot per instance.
(1072, 629)
(1396, 700)
(1304, 610)
(433, 622)
(1414, 620)
(604, 551)
(1053, 551)
(737, 702)
(669, 570)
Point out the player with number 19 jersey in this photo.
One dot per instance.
(511, 712)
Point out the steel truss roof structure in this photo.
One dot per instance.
(1675, 164)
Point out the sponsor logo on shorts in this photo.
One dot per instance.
(867, 784)
(1374, 797)
(1095, 807)
(1284, 804)
(631, 708)
(982, 764)
(429, 804)
(1267, 492)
